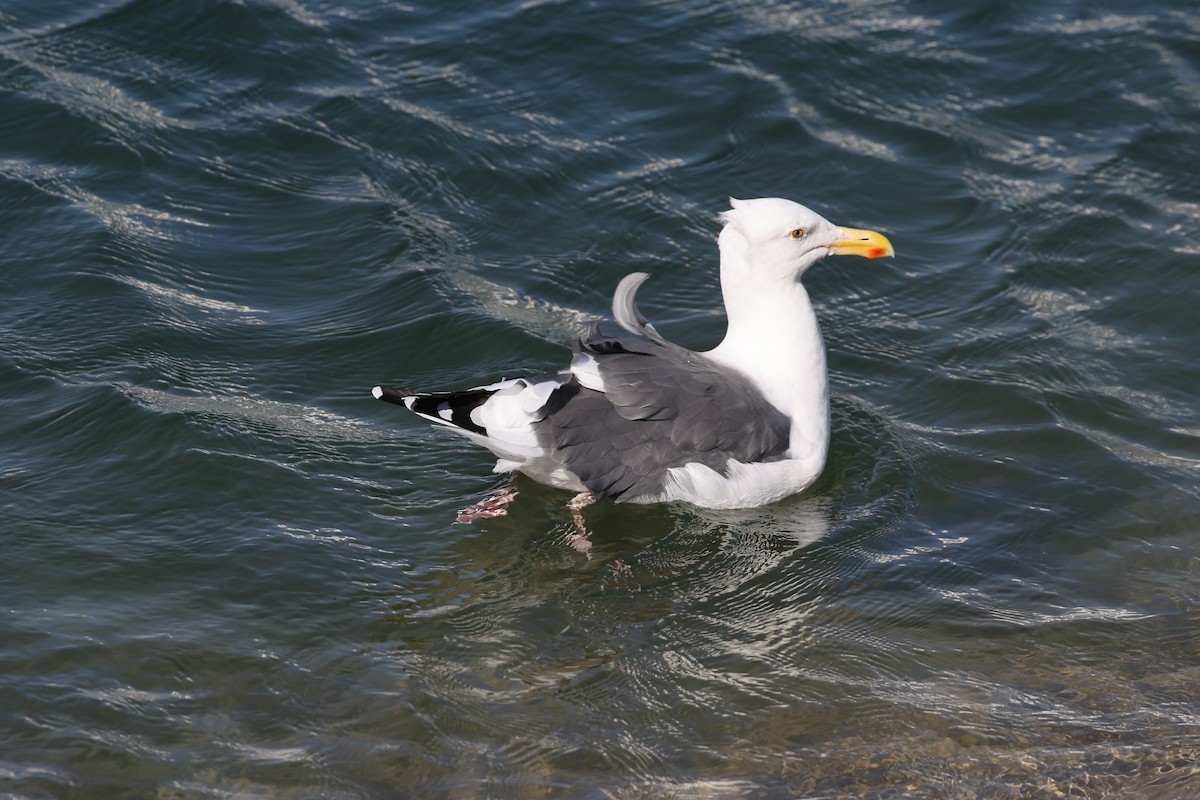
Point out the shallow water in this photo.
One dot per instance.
(229, 572)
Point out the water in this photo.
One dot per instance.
(229, 572)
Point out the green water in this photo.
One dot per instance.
(229, 572)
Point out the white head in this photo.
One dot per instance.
(771, 238)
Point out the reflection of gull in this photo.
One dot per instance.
(793, 526)
(757, 540)
(645, 420)
(747, 559)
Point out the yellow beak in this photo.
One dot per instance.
(867, 244)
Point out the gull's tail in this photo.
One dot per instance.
(452, 409)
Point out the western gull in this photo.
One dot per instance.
(640, 419)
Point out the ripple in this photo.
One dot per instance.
(539, 318)
(133, 220)
(93, 97)
(177, 297)
(231, 572)
(254, 413)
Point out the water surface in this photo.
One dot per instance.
(229, 572)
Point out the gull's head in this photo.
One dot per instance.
(776, 238)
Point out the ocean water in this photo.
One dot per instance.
(229, 572)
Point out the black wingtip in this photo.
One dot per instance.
(391, 394)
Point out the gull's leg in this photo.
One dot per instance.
(579, 539)
(495, 505)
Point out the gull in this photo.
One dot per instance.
(640, 419)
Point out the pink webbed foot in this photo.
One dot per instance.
(579, 538)
(494, 506)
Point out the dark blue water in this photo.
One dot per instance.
(229, 572)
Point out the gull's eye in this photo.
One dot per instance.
(798, 233)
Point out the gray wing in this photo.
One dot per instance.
(663, 406)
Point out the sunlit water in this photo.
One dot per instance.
(229, 572)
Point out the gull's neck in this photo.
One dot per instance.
(773, 337)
